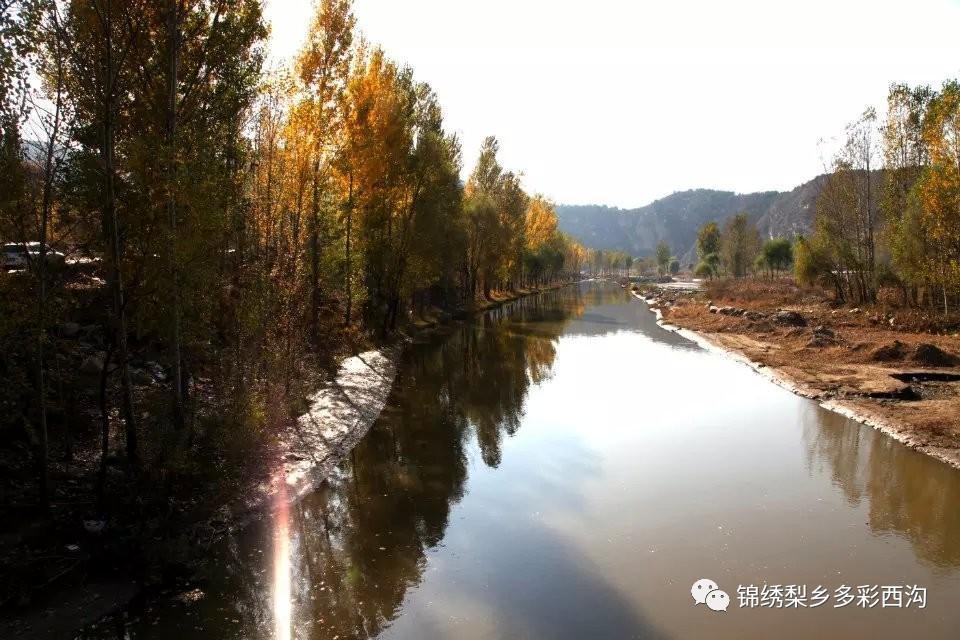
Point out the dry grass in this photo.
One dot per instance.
(780, 291)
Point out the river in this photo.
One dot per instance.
(563, 467)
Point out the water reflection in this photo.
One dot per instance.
(512, 488)
(906, 493)
(361, 540)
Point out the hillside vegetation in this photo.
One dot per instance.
(676, 218)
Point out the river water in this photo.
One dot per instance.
(563, 467)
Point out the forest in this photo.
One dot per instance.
(193, 237)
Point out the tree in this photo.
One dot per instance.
(323, 69)
(777, 254)
(101, 88)
(740, 244)
(811, 265)
(939, 189)
(500, 196)
(708, 240)
(674, 266)
(846, 220)
(663, 258)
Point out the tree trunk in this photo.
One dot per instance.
(349, 282)
(173, 44)
(104, 433)
(315, 256)
(48, 175)
(113, 242)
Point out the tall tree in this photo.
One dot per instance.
(939, 187)
(100, 87)
(323, 68)
(663, 258)
(740, 244)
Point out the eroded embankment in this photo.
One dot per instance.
(340, 414)
(905, 402)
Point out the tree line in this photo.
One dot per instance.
(233, 224)
(887, 217)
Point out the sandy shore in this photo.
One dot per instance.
(842, 375)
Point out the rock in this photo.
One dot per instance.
(896, 350)
(713, 309)
(854, 310)
(91, 365)
(753, 316)
(728, 311)
(893, 322)
(932, 356)
(826, 332)
(69, 329)
(789, 318)
(822, 337)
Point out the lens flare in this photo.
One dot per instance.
(281, 565)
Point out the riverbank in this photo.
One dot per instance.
(433, 318)
(879, 368)
(299, 457)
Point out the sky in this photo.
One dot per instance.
(622, 102)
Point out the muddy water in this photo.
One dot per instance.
(565, 468)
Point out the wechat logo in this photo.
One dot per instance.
(706, 591)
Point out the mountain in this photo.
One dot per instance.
(676, 218)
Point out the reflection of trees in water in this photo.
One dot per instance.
(907, 493)
(361, 541)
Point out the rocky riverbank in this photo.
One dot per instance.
(872, 366)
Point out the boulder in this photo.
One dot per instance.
(930, 355)
(753, 316)
(788, 318)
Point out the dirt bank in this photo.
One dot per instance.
(871, 366)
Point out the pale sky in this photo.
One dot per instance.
(622, 102)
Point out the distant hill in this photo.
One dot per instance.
(676, 218)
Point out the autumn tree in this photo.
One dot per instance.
(905, 159)
(939, 190)
(324, 69)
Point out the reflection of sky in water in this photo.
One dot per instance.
(565, 468)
